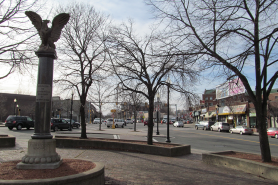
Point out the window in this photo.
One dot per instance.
(206, 98)
(210, 98)
(210, 104)
(276, 97)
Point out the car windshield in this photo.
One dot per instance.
(226, 124)
(273, 128)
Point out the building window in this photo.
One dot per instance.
(276, 97)
(210, 104)
(210, 98)
(206, 98)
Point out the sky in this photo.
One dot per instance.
(119, 10)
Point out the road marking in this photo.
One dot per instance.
(155, 140)
(116, 136)
(225, 137)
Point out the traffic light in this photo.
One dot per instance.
(165, 104)
(116, 103)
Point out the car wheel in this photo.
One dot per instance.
(240, 133)
(231, 131)
(276, 136)
(77, 126)
(122, 126)
(205, 128)
(116, 126)
(70, 127)
(219, 130)
(10, 128)
(107, 126)
(196, 128)
(56, 128)
(211, 128)
(19, 127)
(28, 128)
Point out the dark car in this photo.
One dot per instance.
(73, 123)
(59, 123)
(19, 122)
(146, 123)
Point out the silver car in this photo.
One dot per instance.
(220, 126)
(241, 130)
(178, 124)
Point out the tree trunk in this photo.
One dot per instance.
(150, 120)
(83, 122)
(263, 137)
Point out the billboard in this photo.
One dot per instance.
(230, 88)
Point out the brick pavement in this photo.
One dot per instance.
(126, 168)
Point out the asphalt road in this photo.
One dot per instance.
(198, 139)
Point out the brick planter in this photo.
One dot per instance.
(163, 149)
(7, 141)
(256, 168)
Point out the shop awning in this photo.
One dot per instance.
(228, 110)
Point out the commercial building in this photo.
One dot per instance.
(232, 105)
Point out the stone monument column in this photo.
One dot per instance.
(44, 95)
(42, 147)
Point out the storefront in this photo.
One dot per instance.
(252, 118)
(234, 115)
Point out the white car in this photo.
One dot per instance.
(117, 123)
(220, 126)
(96, 121)
(178, 124)
(241, 130)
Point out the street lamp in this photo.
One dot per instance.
(168, 109)
(14, 105)
(17, 107)
(71, 110)
(157, 114)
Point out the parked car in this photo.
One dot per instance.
(59, 123)
(109, 122)
(129, 121)
(19, 122)
(146, 123)
(104, 121)
(241, 130)
(178, 124)
(73, 123)
(96, 121)
(272, 132)
(204, 125)
(220, 126)
(119, 123)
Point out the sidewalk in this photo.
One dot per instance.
(127, 168)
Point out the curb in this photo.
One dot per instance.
(256, 168)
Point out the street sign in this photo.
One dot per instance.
(113, 110)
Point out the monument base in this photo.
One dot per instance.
(41, 155)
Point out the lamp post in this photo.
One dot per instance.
(14, 105)
(71, 102)
(17, 108)
(168, 109)
(157, 113)
(216, 112)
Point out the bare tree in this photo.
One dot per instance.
(82, 48)
(232, 37)
(100, 93)
(15, 35)
(145, 63)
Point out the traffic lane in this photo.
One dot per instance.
(218, 141)
(26, 134)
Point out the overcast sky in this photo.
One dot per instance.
(119, 10)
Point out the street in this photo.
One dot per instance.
(198, 139)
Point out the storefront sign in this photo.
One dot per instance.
(252, 114)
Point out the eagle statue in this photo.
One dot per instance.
(48, 35)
